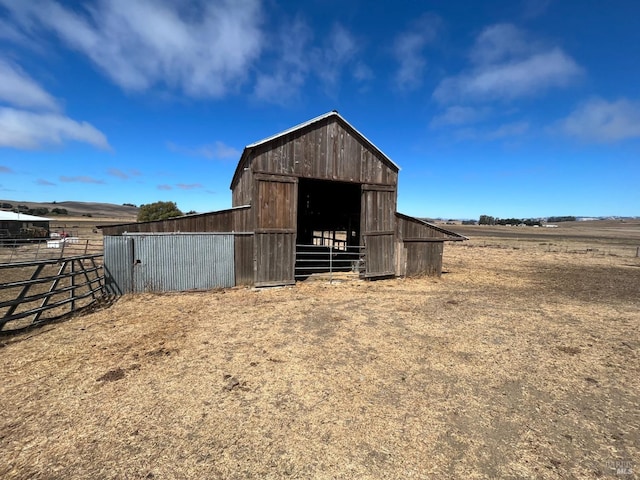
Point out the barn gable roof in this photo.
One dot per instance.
(249, 148)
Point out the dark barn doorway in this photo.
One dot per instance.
(328, 227)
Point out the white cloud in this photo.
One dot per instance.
(81, 179)
(4, 169)
(17, 88)
(508, 130)
(535, 8)
(499, 42)
(329, 60)
(508, 65)
(459, 115)
(362, 72)
(28, 130)
(188, 186)
(11, 33)
(24, 128)
(297, 60)
(116, 172)
(204, 49)
(44, 183)
(217, 150)
(282, 83)
(598, 120)
(408, 50)
(502, 132)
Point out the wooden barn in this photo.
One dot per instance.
(320, 183)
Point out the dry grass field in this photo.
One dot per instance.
(521, 361)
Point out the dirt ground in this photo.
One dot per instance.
(521, 361)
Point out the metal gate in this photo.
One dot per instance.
(168, 262)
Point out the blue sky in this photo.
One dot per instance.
(507, 108)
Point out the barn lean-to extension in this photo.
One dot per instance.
(320, 181)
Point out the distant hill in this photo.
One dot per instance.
(79, 209)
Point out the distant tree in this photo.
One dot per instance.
(486, 220)
(130, 205)
(561, 219)
(158, 211)
(191, 212)
(6, 205)
(59, 211)
(38, 211)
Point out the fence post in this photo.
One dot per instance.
(637, 252)
(331, 263)
(72, 293)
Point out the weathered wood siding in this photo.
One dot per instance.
(378, 229)
(275, 216)
(233, 220)
(419, 258)
(242, 193)
(419, 247)
(327, 150)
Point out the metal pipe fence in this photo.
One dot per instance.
(329, 260)
(56, 287)
(25, 250)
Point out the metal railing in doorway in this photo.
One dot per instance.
(329, 261)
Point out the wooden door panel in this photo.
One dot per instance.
(378, 229)
(275, 219)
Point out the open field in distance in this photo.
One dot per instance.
(78, 209)
(521, 361)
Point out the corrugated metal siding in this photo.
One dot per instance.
(118, 265)
(164, 263)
